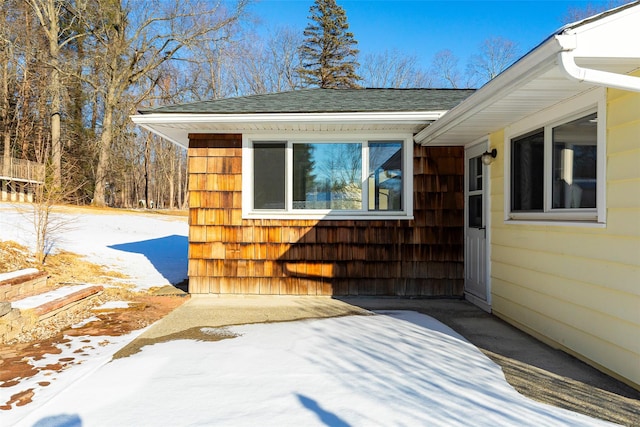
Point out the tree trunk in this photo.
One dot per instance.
(56, 145)
(103, 158)
(55, 88)
(4, 117)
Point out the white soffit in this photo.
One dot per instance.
(177, 127)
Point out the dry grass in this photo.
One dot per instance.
(14, 257)
(62, 267)
(115, 211)
(67, 268)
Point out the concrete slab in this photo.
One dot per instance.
(215, 311)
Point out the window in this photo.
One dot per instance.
(554, 170)
(269, 175)
(327, 178)
(527, 177)
(474, 199)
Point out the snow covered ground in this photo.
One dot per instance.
(390, 369)
(150, 248)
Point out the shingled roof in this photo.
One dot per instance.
(326, 101)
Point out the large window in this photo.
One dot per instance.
(328, 178)
(554, 170)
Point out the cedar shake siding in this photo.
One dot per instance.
(231, 255)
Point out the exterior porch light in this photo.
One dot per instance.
(488, 156)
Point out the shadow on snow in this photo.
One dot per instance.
(168, 255)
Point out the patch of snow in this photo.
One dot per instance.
(112, 305)
(37, 300)
(18, 273)
(397, 368)
(85, 322)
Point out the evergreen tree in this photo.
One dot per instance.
(328, 53)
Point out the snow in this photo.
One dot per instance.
(37, 300)
(393, 368)
(109, 305)
(13, 274)
(85, 322)
(150, 248)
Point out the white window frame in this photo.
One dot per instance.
(590, 102)
(248, 211)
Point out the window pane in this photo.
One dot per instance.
(475, 174)
(475, 211)
(527, 172)
(574, 163)
(269, 172)
(385, 176)
(327, 176)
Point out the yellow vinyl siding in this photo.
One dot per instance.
(572, 340)
(578, 287)
(598, 333)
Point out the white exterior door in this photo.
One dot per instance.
(476, 283)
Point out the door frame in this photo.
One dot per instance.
(474, 150)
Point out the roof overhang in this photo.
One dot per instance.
(177, 127)
(601, 51)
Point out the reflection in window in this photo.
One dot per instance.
(475, 211)
(327, 176)
(385, 176)
(269, 175)
(475, 174)
(574, 164)
(527, 172)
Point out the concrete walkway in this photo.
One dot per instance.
(531, 367)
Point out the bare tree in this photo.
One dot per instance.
(6, 55)
(47, 226)
(445, 68)
(495, 55)
(393, 69)
(578, 13)
(282, 56)
(59, 32)
(133, 44)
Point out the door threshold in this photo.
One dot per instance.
(478, 302)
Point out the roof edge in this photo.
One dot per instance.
(159, 118)
(535, 62)
(532, 64)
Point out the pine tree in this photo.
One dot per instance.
(328, 53)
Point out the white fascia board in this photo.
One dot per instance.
(387, 117)
(525, 69)
(172, 126)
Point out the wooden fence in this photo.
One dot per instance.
(21, 170)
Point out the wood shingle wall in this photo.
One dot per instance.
(231, 255)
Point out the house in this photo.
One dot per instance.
(320, 192)
(523, 196)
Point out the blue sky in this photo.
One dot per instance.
(424, 27)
